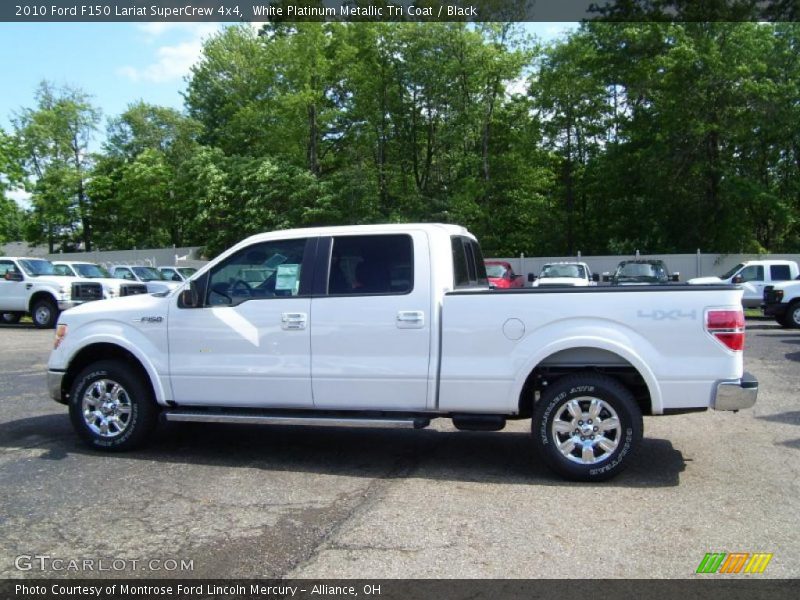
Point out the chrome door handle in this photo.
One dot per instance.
(410, 319)
(293, 320)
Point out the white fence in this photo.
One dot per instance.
(688, 265)
(151, 257)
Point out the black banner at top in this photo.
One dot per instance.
(397, 10)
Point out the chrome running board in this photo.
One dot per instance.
(186, 416)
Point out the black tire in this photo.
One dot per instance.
(139, 419)
(791, 319)
(610, 449)
(11, 318)
(44, 313)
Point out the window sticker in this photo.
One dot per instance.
(287, 277)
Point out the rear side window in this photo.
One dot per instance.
(469, 268)
(371, 264)
(780, 272)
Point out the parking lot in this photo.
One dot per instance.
(232, 501)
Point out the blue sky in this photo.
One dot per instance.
(115, 63)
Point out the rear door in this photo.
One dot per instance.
(371, 322)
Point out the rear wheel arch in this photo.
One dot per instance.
(583, 359)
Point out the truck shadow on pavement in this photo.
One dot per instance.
(488, 457)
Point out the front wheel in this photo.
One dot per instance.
(112, 407)
(44, 313)
(586, 427)
(792, 316)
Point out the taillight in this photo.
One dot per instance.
(728, 327)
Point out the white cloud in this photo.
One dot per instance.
(159, 28)
(172, 61)
(20, 196)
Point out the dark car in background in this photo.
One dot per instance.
(643, 272)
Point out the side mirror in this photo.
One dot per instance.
(190, 296)
(738, 279)
(596, 277)
(676, 277)
(13, 276)
(531, 277)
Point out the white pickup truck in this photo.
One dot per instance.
(112, 287)
(393, 326)
(753, 276)
(782, 302)
(30, 286)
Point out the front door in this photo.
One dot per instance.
(371, 324)
(13, 294)
(248, 344)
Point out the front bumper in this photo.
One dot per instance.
(777, 310)
(65, 304)
(54, 379)
(736, 395)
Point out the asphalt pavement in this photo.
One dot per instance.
(239, 501)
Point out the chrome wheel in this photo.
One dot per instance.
(586, 430)
(106, 408)
(42, 315)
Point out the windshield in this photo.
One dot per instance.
(641, 272)
(92, 271)
(37, 267)
(563, 271)
(187, 271)
(148, 274)
(495, 271)
(730, 273)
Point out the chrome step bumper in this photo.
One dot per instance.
(736, 395)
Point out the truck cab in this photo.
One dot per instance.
(753, 276)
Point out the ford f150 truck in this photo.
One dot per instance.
(30, 286)
(393, 326)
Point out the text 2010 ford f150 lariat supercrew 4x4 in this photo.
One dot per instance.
(392, 326)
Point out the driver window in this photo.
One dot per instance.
(752, 273)
(61, 270)
(266, 270)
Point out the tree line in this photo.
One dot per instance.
(661, 137)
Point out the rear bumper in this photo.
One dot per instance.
(736, 395)
(54, 379)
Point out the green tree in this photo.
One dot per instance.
(54, 138)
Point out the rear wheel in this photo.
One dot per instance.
(112, 407)
(587, 427)
(44, 313)
(10, 318)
